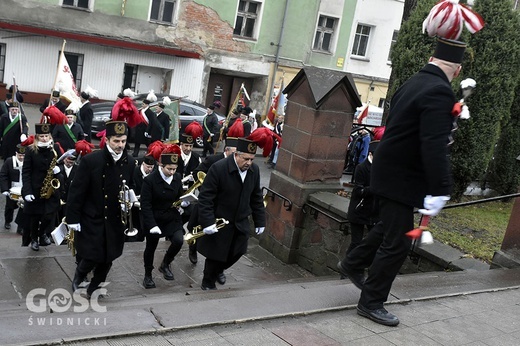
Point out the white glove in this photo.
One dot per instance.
(75, 227)
(180, 210)
(23, 137)
(137, 204)
(211, 134)
(155, 230)
(433, 204)
(210, 229)
(147, 135)
(56, 170)
(184, 204)
(124, 207)
(30, 198)
(259, 230)
(5, 193)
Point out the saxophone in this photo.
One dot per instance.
(49, 183)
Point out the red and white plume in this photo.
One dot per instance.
(447, 18)
(171, 149)
(83, 147)
(236, 130)
(125, 110)
(155, 149)
(53, 115)
(264, 138)
(194, 129)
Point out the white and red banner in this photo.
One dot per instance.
(65, 82)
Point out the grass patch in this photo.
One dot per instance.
(477, 230)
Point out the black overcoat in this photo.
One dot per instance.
(164, 121)
(35, 167)
(193, 163)
(223, 195)
(363, 207)
(86, 114)
(412, 158)
(11, 137)
(93, 202)
(207, 163)
(9, 174)
(62, 136)
(157, 197)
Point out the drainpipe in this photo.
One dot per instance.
(277, 56)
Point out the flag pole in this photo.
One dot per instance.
(15, 89)
(57, 71)
(231, 109)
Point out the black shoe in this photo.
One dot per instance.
(192, 255)
(44, 240)
(148, 282)
(205, 288)
(221, 278)
(7, 225)
(167, 271)
(35, 246)
(76, 282)
(358, 279)
(380, 316)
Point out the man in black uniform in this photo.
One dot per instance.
(11, 133)
(55, 101)
(85, 115)
(231, 191)
(210, 127)
(144, 167)
(11, 178)
(68, 134)
(412, 169)
(163, 119)
(94, 206)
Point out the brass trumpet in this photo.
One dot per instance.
(197, 232)
(126, 216)
(200, 179)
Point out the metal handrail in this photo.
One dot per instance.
(479, 201)
(286, 201)
(316, 210)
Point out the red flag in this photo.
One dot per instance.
(362, 115)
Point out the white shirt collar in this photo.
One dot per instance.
(168, 180)
(242, 174)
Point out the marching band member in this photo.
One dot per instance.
(11, 133)
(11, 177)
(231, 190)
(94, 207)
(159, 218)
(40, 188)
(71, 132)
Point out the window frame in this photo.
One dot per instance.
(322, 30)
(395, 34)
(90, 6)
(161, 12)
(3, 51)
(356, 42)
(246, 15)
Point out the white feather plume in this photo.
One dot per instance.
(129, 93)
(90, 91)
(151, 96)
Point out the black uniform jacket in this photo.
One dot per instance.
(86, 115)
(62, 136)
(11, 137)
(223, 195)
(412, 159)
(164, 120)
(363, 207)
(207, 163)
(188, 169)
(35, 167)
(9, 174)
(93, 202)
(157, 197)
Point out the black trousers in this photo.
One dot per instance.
(41, 224)
(10, 207)
(152, 240)
(101, 270)
(212, 268)
(384, 250)
(208, 146)
(357, 230)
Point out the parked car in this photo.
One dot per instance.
(189, 111)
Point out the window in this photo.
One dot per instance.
(130, 76)
(394, 39)
(381, 103)
(246, 18)
(2, 60)
(76, 66)
(324, 34)
(361, 40)
(163, 11)
(76, 3)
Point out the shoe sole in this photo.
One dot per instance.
(346, 275)
(377, 320)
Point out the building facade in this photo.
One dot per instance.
(199, 49)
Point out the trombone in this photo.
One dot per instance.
(126, 215)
